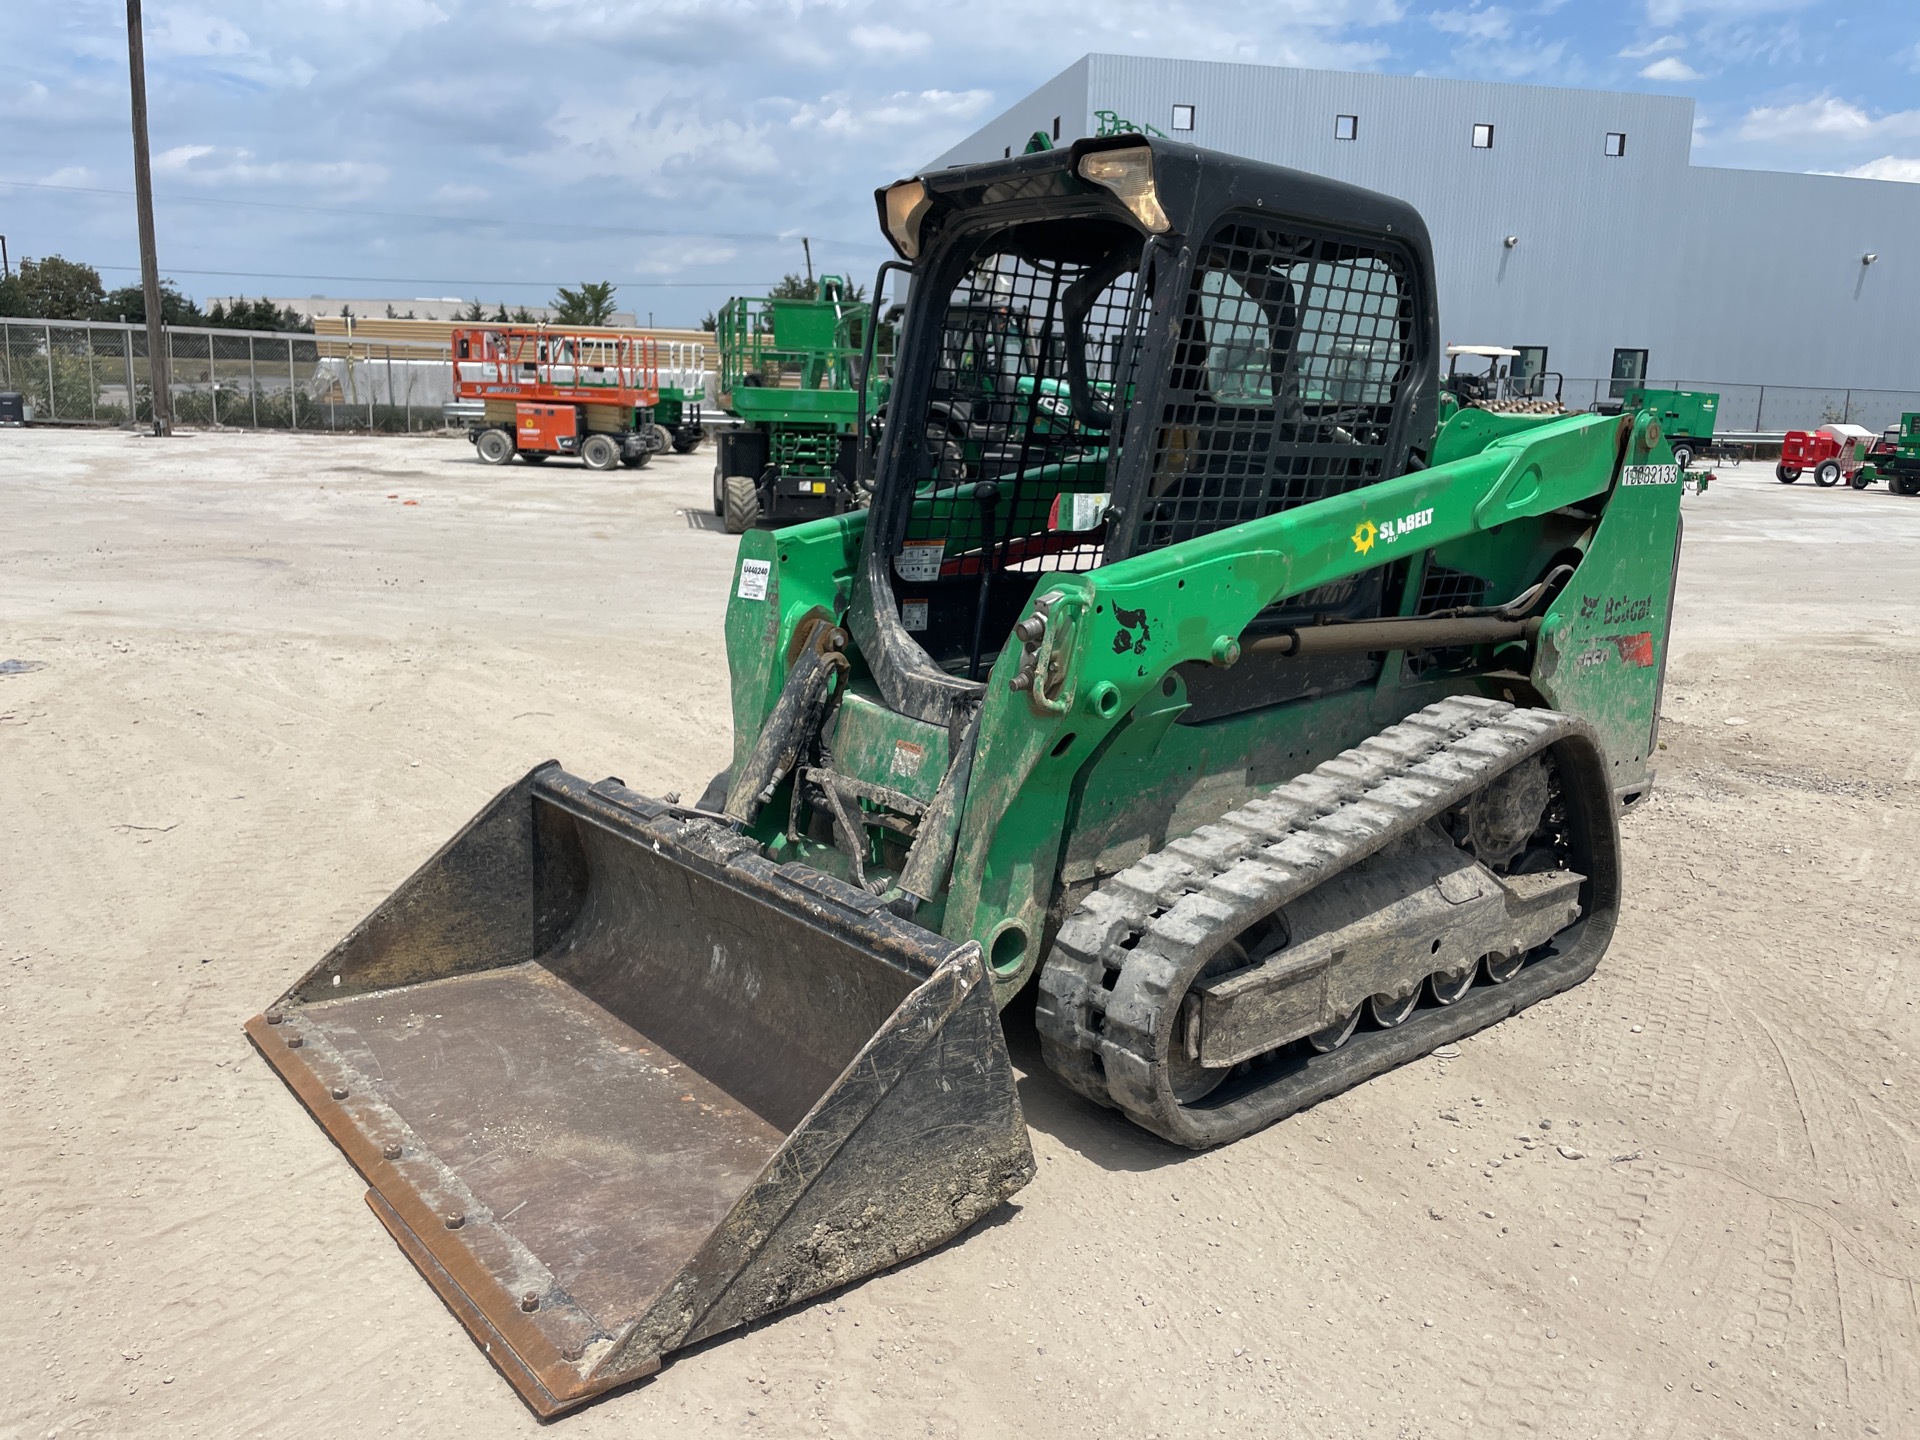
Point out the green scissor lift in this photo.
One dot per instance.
(787, 372)
(683, 391)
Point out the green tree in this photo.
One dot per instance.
(522, 315)
(591, 304)
(501, 317)
(130, 301)
(710, 321)
(262, 314)
(474, 314)
(53, 289)
(797, 287)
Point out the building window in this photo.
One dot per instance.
(1183, 117)
(1629, 372)
(1346, 127)
(1056, 127)
(1483, 137)
(1616, 143)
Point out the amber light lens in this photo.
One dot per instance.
(907, 205)
(1127, 173)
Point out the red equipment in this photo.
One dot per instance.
(1830, 452)
(559, 392)
(552, 428)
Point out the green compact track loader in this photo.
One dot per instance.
(1188, 674)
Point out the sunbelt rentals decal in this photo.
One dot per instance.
(1367, 534)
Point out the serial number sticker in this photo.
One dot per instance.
(913, 614)
(1083, 512)
(1650, 475)
(920, 560)
(754, 578)
(906, 758)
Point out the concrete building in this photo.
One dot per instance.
(1570, 223)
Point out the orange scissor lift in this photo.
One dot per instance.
(559, 392)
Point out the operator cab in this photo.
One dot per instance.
(1474, 385)
(1116, 348)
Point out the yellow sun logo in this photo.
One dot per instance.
(1363, 536)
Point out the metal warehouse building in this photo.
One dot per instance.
(1570, 224)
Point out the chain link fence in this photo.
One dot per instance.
(97, 373)
(1760, 411)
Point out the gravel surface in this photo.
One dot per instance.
(264, 676)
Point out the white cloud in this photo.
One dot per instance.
(684, 255)
(186, 30)
(845, 114)
(1887, 167)
(1664, 13)
(189, 33)
(179, 157)
(456, 192)
(1670, 70)
(232, 166)
(670, 145)
(1824, 119)
(392, 15)
(71, 175)
(1658, 46)
(1488, 22)
(887, 43)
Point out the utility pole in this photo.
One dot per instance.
(6, 270)
(806, 248)
(143, 202)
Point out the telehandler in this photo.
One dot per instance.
(1186, 668)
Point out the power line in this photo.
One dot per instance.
(477, 220)
(737, 285)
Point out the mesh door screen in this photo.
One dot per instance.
(1027, 396)
(1293, 352)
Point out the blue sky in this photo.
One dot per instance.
(680, 147)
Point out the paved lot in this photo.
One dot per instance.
(277, 672)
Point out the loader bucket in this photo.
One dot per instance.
(619, 1082)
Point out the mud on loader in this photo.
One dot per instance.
(1272, 730)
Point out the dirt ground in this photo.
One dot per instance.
(275, 673)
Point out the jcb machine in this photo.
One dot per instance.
(559, 392)
(1199, 682)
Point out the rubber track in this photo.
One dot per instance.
(1156, 921)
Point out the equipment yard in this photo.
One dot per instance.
(265, 677)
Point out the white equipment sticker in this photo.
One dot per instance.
(1083, 512)
(754, 577)
(1650, 475)
(907, 758)
(913, 614)
(920, 560)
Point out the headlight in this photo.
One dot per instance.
(907, 205)
(1128, 173)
